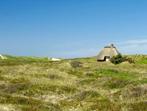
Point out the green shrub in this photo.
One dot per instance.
(117, 59)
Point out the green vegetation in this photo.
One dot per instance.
(140, 59)
(81, 84)
(119, 59)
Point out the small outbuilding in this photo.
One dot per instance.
(2, 57)
(107, 53)
(54, 59)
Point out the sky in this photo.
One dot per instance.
(72, 28)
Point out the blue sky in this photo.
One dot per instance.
(72, 28)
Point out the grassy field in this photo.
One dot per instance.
(82, 84)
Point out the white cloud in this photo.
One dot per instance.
(138, 46)
(142, 41)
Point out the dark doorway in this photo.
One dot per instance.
(106, 58)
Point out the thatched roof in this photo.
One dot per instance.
(107, 51)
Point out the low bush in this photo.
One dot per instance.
(119, 59)
(76, 64)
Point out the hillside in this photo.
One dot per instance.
(82, 84)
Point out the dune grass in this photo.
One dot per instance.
(81, 84)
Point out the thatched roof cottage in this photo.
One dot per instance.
(107, 53)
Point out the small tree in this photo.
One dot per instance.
(117, 59)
